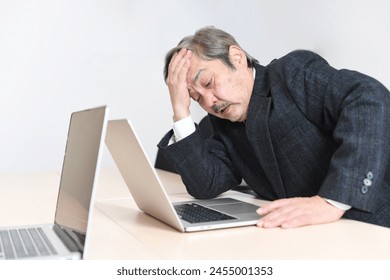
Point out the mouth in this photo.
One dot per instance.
(220, 109)
(225, 109)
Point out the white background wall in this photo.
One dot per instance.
(59, 56)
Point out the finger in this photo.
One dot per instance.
(178, 78)
(173, 65)
(299, 221)
(277, 217)
(273, 205)
(289, 219)
(301, 212)
(178, 60)
(286, 210)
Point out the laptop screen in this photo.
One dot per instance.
(79, 169)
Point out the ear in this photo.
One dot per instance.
(237, 56)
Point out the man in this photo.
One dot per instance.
(312, 139)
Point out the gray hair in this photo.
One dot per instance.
(208, 43)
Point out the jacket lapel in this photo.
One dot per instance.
(258, 132)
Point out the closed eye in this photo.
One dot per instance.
(209, 83)
(195, 97)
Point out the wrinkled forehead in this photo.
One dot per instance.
(200, 67)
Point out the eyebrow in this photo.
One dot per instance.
(196, 78)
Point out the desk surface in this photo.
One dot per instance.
(121, 231)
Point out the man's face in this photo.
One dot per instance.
(220, 90)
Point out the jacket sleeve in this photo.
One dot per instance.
(355, 110)
(203, 164)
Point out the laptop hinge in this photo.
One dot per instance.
(69, 238)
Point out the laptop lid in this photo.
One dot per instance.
(148, 191)
(79, 172)
(140, 176)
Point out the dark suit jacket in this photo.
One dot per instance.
(311, 129)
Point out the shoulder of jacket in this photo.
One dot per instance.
(297, 58)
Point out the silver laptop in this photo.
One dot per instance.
(150, 196)
(67, 238)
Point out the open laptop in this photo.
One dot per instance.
(150, 196)
(66, 238)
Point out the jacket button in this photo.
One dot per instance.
(367, 182)
(370, 175)
(364, 189)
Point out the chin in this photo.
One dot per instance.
(233, 119)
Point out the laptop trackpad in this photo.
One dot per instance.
(235, 208)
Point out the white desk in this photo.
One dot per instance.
(121, 231)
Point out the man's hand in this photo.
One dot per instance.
(296, 212)
(177, 84)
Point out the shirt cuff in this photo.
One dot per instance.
(339, 205)
(182, 129)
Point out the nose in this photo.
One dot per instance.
(208, 98)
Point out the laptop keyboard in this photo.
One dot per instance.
(195, 213)
(24, 243)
